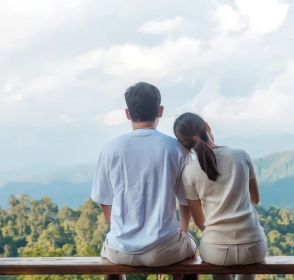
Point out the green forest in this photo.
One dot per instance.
(31, 228)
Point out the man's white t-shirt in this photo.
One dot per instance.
(139, 174)
(229, 216)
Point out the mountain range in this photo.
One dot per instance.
(275, 175)
(72, 186)
(256, 146)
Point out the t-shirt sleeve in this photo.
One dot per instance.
(251, 168)
(102, 191)
(179, 189)
(189, 185)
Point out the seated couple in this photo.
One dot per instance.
(141, 174)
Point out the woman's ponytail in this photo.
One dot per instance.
(190, 129)
(206, 158)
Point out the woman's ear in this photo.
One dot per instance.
(208, 129)
(127, 112)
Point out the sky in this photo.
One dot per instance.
(65, 65)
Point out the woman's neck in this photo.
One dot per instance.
(211, 145)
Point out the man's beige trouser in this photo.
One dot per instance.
(175, 249)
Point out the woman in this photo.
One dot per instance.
(222, 181)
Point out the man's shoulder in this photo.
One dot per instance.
(168, 143)
(173, 143)
(166, 137)
(113, 144)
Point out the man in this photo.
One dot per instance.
(137, 180)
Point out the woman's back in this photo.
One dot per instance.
(230, 217)
(221, 181)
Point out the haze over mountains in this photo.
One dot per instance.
(262, 145)
(71, 186)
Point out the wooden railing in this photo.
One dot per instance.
(98, 266)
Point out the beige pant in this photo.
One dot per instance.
(173, 250)
(240, 254)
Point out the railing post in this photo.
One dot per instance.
(176, 276)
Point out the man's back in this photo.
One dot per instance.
(139, 174)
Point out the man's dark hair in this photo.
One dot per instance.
(143, 101)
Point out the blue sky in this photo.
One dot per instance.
(65, 65)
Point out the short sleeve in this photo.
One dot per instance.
(179, 189)
(189, 185)
(251, 168)
(102, 191)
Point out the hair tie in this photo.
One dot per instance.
(195, 137)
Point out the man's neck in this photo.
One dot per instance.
(141, 125)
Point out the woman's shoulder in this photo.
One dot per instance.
(227, 150)
(192, 168)
(230, 155)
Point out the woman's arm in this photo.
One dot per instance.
(254, 192)
(197, 213)
(185, 216)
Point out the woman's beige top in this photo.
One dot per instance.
(230, 217)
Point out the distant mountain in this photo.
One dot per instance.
(274, 167)
(75, 174)
(278, 193)
(62, 193)
(275, 175)
(27, 172)
(261, 146)
(67, 187)
(72, 186)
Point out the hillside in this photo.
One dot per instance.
(274, 167)
(72, 186)
(275, 174)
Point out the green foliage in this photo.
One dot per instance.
(36, 228)
(58, 277)
(279, 228)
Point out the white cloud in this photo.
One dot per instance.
(8, 87)
(180, 61)
(128, 63)
(24, 22)
(268, 107)
(65, 119)
(114, 117)
(264, 15)
(64, 63)
(156, 62)
(161, 27)
(55, 76)
(228, 19)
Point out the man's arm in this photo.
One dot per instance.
(197, 213)
(102, 192)
(185, 216)
(107, 212)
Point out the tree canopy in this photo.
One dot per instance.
(37, 228)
